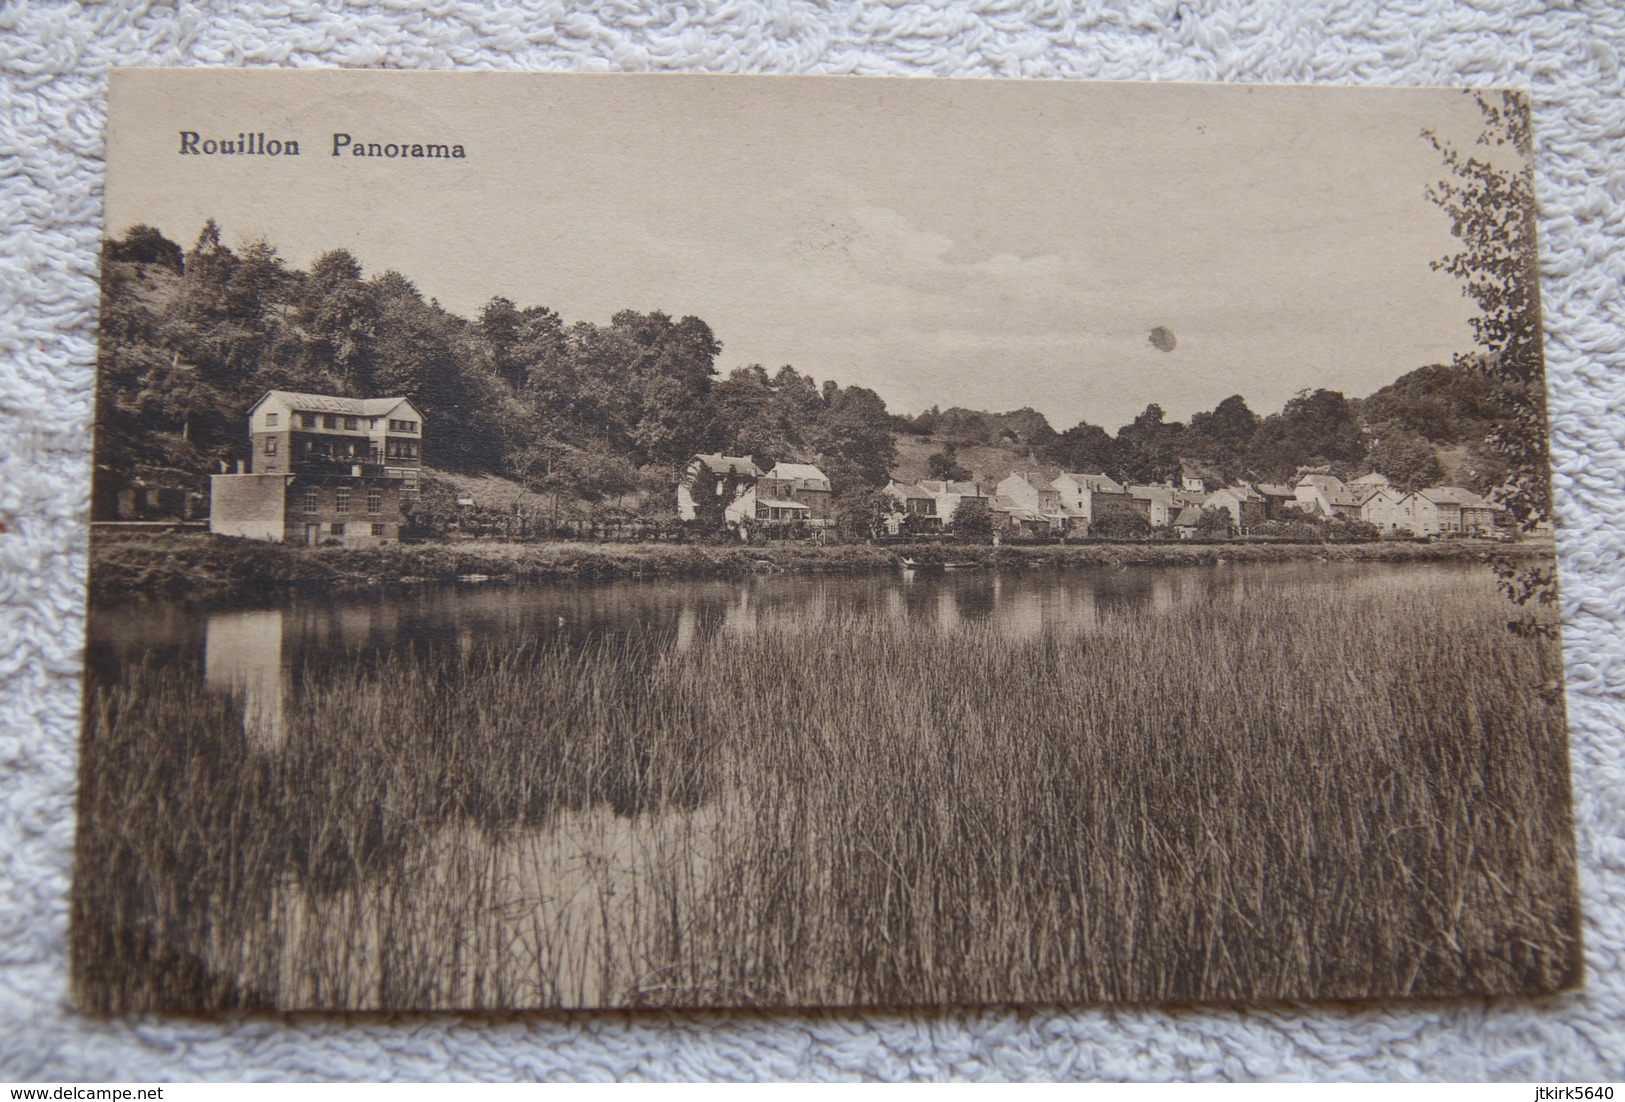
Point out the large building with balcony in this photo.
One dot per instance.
(322, 469)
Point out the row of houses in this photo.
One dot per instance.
(734, 492)
(1074, 501)
(323, 469)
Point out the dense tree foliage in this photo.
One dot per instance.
(587, 411)
(1491, 207)
(590, 412)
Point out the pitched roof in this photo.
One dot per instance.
(782, 503)
(1455, 495)
(967, 489)
(1322, 481)
(1163, 495)
(722, 464)
(804, 471)
(332, 403)
(1354, 496)
(907, 489)
(1002, 504)
(1273, 489)
(1372, 479)
(1097, 483)
(1187, 517)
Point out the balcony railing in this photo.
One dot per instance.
(341, 467)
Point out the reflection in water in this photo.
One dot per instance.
(261, 654)
(243, 654)
(534, 830)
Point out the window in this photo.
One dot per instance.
(312, 500)
(375, 502)
(378, 530)
(270, 420)
(350, 424)
(308, 419)
(336, 528)
(342, 499)
(270, 445)
(329, 421)
(402, 426)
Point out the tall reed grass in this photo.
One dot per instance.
(1323, 791)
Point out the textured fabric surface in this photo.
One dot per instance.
(55, 57)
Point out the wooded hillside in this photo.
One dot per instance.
(591, 412)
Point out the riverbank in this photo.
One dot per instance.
(184, 564)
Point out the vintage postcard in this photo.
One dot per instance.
(619, 541)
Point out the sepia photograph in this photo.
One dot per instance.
(579, 541)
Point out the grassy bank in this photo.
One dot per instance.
(1333, 790)
(193, 564)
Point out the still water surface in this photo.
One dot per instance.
(261, 652)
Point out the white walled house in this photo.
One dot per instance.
(1077, 491)
(293, 433)
(714, 484)
(949, 494)
(1441, 510)
(1385, 509)
(1316, 492)
(323, 469)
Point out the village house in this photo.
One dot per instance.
(712, 486)
(804, 483)
(949, 494)
(294, 433)
(1440, 510)
(913, 501)
(1247, 507)
(1106, 506)
(1031, 493)
(1164, 502)
(1314, 493)
(322, 469)
(796, 494)
(1278, 500)
(1012, 515)
(1160, 506)
(1385, 509)
(1077, 492)
(1186, 522)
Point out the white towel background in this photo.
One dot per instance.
(54, 58)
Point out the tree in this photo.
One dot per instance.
(1213, 523)
(1315, 428)
(972, 520)
(1148, 447)
(1084, 447)
(1122, 525)
(1223, 436)
(1490, 201)
(1408, 461)
(860, 512)
(944, 467)
(142, 244)
(1492, 213)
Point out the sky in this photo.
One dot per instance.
(984, 243)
